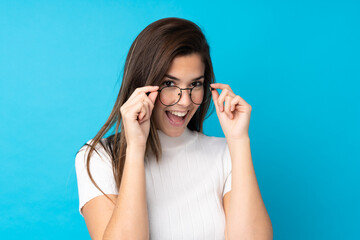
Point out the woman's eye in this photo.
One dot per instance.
(167, 83)
(196, 84)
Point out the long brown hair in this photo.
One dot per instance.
(147, 62)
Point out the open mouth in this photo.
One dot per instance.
(175, 118)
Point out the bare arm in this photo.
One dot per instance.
(128, 219)
(130, 216)
(245, 210)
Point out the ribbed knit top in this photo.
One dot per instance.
(184, 190)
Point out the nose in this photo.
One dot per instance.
(185, 99)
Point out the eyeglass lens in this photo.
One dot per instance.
(171, 95)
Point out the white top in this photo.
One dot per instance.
(184, 191)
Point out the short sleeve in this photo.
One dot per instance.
(101, 171)
(227, 170)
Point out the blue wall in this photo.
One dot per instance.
(295, 62)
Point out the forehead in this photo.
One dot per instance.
(186, 68)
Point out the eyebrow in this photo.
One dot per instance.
(174, 78)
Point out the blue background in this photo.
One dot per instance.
(295, 62)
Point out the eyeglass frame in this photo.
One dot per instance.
(159, 90)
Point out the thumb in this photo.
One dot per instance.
(215, 95)
(153, 96)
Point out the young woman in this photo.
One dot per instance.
(160, 177)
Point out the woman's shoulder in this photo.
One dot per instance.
(100, 146)
(99, 151)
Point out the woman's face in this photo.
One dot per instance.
(189, 71)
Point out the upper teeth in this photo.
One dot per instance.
(180, 114)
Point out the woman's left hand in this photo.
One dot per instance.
(234, 115)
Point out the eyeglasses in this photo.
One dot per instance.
(171, 95)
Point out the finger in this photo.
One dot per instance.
(153, 96)
(148, 105)
(145, 89)
(221, 99)
(234, 102)
(149, 101)
(241, 101)
(132, 110)
(221, 86)
(141, 97)
(147, 110)
(215, 95)
(135, 98)
(144, 112)
(227, 107)
(140, 115)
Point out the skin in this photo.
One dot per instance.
(137, 110)
(245, 211)
(246, 215)
(128, 219)
(185, 68)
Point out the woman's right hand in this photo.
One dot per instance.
(136, 113)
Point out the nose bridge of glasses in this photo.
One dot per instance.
(182, 92)
(188, 90)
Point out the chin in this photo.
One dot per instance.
(170, 130)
